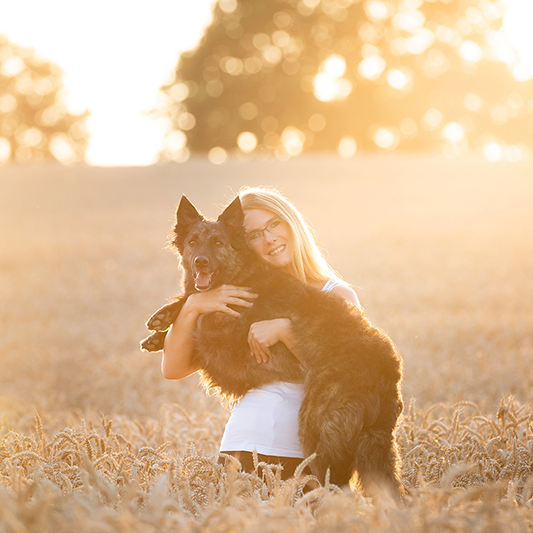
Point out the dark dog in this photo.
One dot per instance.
(351, 370)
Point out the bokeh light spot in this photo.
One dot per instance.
(420, 41)
(261, 41)
(408, 127)
(453, 132)
(328, 84)
(493, 151)
(432, 118)
(386, 138)
(248, 111)
(372, 67)
(8, 103)
(408, 20)
(282, 19)
(347, 147)
(179, 92)
(12, 67)
(378, 11)
(214, 88)
(175, 141)
(317, 122)
(32, 137)
(186, 121)
(293, 141)
(398, 79)
(335, 65)
(228, 6)
(232, 65)
(471, 51)
(472, 102)
(247, 142)
(217, 155)
(5, 150)
(61, 148)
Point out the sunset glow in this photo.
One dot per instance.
(115, 56)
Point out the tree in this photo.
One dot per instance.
(34, 122)
(284, 76)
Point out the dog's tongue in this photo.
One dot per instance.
(202, 279)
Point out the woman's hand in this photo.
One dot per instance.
(266, 333)
(218, 300)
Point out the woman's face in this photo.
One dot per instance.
(269, 237)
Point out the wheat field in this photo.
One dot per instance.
(92, 438)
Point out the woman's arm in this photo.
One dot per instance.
(178, 350)
(266, 333)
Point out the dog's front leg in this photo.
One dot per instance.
(162, 319)
(154, 342)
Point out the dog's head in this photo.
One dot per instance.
(212, 252)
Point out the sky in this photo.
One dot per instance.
(116, 54)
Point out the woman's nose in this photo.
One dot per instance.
(269, 237)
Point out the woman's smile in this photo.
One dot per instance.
(278, 250)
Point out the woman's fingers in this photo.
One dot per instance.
(253, 349)
(258, 349)
(218, 299)
(229, 311)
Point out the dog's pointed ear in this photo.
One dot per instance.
(186, 216)
(233, 216)
(187, 213)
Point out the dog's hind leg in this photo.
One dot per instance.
(376, 463)
(329, 428)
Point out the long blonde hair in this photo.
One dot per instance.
(308, 262)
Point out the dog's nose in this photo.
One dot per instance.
(201, 261)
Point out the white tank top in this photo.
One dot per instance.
(266, 418)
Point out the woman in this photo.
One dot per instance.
(265, 419)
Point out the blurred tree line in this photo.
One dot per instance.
(34, 122)
(286, 76)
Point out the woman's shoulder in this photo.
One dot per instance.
(346, 292)
(342, 289)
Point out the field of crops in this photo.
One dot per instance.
(92, 438)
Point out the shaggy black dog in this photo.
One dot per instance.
(351, 371)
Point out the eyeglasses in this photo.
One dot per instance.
(274, 227)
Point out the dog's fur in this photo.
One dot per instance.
(351, 371)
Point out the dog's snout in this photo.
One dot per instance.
(201, 261)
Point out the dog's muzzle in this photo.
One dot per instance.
(203, 281)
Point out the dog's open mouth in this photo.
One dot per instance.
(204, 280)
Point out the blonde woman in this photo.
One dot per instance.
(266, 419)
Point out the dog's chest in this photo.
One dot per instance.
(220, 328)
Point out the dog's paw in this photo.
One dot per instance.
(161, 320)
(155, 342)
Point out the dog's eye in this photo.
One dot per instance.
(218, 243)
(192, 242)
